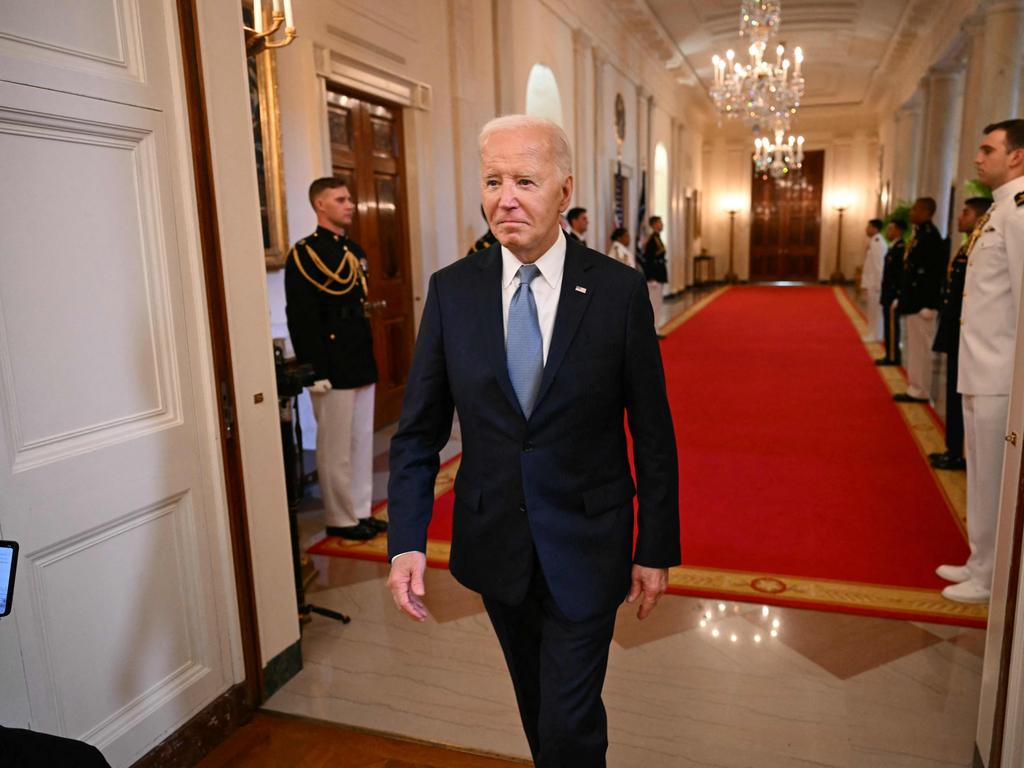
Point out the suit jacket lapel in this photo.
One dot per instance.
(571, 305)
(493, 322)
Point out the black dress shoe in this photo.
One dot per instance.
(358, 532)
(903, 397)
(380, 526)
(945, 461)
(938, 456)
(886, 361)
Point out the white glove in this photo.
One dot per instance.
(320, 386)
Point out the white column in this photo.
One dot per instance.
(583, 164)
(907, 150)
(603, 120)
(938, 149)
(1003, 49)
(970, 120)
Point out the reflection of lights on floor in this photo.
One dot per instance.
(709, 618)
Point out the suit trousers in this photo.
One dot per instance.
(875, 331)
(985, 430)
(558, 668)
(657, 300)
(920, 337)
(344, 452)
(954, 406)
(891, 332)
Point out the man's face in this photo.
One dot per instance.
(523, 191)
(919, 214)
(624, 239)
(580, 224)
(967, 219)
(870, 230)
(995, 164)
(336, 206)
(658, 225)
(892, 233)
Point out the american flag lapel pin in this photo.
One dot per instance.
(580, 289)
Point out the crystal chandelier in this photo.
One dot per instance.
(764, 93)
(780, 157)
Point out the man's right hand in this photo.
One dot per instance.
(406, 583)
(320, 386)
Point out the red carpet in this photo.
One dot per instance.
(795, 465)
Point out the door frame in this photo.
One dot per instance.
(220, 344)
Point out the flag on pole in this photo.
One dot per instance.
(641, 217)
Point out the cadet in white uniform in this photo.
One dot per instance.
(988, 326)
(871, 278)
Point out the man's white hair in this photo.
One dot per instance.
(561, 152)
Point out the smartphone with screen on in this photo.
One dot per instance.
(8, 564)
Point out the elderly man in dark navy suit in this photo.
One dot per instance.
(542, 346)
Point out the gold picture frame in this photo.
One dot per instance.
(266, 125)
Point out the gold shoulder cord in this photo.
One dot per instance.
(346, 276)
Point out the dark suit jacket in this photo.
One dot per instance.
(558, 484)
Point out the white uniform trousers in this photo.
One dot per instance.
(875, 330)
(344, 452)
(984, 433)
(918, 352)
(657, 300)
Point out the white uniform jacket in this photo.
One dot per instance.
(874, 260)
(619, 252)
(988, 325)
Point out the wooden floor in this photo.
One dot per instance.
(273, 741)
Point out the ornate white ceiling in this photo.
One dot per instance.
(850, 46)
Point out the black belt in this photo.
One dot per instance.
(351, 312)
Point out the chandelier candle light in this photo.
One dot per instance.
(780, 157)
(258, 38)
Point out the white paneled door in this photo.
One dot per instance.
(110, 477)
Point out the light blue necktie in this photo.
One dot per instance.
(524, 346)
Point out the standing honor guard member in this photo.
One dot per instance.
(325, 288)
(871, 279)
(988, 341)
(947, 338)
(542, 346)
(654, 266)
(892, 273)
(485, 241)
(924, 270)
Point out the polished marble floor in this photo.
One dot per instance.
(699, 683)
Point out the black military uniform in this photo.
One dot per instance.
(923, 272)
(892, 272)
(947, 339)
(653, 260)
(575, 237)
(483, 243)
(325, 289)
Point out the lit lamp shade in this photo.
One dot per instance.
(841, 199)
(732, 203)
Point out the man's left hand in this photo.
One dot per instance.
(650, 583)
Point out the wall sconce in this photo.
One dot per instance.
(258, 39)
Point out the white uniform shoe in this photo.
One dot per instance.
(967, 592)
(958, 574)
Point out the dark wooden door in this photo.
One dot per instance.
(785, 225)
(367, 149)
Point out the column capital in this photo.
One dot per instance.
(600, 55)
(1000, 6)
(581, 40)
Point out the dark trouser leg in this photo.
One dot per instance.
(891, 327)
(954, 408)
(558, 669)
